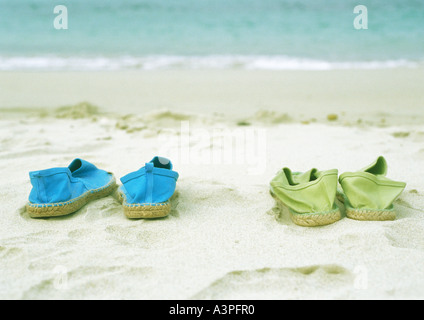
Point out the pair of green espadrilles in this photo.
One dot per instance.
(367, 194)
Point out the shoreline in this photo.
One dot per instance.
(304, 95)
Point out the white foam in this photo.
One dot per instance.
(155, 62)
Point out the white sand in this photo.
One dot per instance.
(225, 237)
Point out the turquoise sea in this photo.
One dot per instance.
(262, 34)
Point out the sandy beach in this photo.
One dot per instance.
(227, 132)
(366, 94)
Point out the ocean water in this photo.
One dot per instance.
(252, 34)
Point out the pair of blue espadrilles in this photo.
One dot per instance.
(144, 193)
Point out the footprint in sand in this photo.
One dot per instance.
(22, 211)
(138, 236)
(414, 229)
(399, 134)
(10, 253)
(280, 213)
(81, 234)
(280, 283)
(34, 237)
(102, 208)
(175, 200)
(197, 195)
(64, 283)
